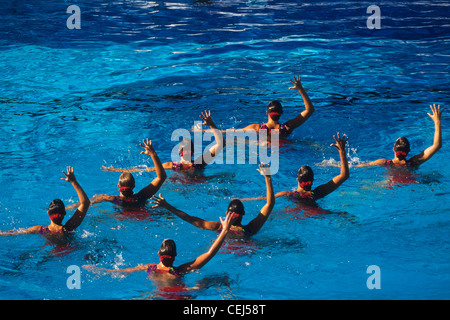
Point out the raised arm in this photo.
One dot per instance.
(256, 224)
(204, 258)
(217, 148)
(84, 202)
(325, 189)
(195, 221)
(77, 217)
(309, 108)
(161, 175)
(437, 141)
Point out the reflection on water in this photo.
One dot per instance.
(176, 289)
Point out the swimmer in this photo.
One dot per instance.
(402, 147)
(305, 179)
(275, 110)
(167, 254)
(186, 152)
(57, 212)
(127, 197)
(235, 207)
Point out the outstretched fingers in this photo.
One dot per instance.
(147, 145)
(340, 142)
(147, 142)
(206, 116)
(226, 223)
(435, 112)
(296, 82)
(69, 175)
(157, 201)
(264, 169)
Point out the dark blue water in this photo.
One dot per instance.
(141, 69)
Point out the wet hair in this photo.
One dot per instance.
(57, 211)
(168, 248)
(401, 148)
(126, 184)
(187, 145)
(236, 206)
(305, 175)
(275, 106)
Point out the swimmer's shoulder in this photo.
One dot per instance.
(35, 229)
(168, 165)
(284, 194)
(102, 197)
(233, 229)
(253, 126)
(236, 229)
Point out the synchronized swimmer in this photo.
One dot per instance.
(275, 110)
(402, 147)
(186, 152)
(167, 254)
(56, 212)
(126, 184)
(235, 210)
(305, 179)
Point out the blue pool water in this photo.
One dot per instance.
(141, 69)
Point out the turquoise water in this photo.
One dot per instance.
(141, 69)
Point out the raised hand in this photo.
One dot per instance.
(297, 83)
(159, 201)
(264, 169)
(340, 142)
(70, 176)
(206, 117)
(148, 147)
(226, 224)
(436, 112)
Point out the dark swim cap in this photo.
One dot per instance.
(402, 148)
(56, 211)
(305, 177)
(236, 206)
(275, 107)
(126, 184)
(57, 206)
(274, 110)
(168, 248)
